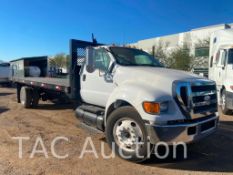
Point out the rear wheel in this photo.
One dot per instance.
(225, 110)
(26, 97)
(126, 133)
(35, 98)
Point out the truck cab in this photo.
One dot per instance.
(221, 67)
(142, 99)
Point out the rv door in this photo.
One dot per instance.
(221, 67)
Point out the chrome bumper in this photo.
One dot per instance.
(183, 132)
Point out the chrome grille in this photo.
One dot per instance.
(196, 98)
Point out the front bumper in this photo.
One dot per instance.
(183, 132)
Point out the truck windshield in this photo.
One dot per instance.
(134, 57)
(230, 56)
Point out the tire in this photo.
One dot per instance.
(127, 117)
(224, 108)
(26, 97)
(35, 98)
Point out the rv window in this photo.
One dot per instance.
(230, 56)
(217, 57)
(201, 51)
(211, 61)
(223, 57)
(215, 40)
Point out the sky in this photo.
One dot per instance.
(44, 27)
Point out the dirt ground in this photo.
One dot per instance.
(212, 155)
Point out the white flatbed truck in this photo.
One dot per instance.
(129, 95)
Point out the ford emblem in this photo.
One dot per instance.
(207, 98)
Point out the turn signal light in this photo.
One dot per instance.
(151, 107)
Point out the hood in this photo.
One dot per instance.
(153, 76)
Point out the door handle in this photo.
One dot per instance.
(84, 77)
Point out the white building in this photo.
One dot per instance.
(190, 38)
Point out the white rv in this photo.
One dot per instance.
(4, 73)
(221, 67)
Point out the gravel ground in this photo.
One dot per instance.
(214, 155)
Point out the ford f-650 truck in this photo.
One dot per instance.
(127, 94)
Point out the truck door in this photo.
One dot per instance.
(221, 68)
(94, 88)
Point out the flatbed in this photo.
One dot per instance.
(44, 80)
(51, 85)
(62, 83)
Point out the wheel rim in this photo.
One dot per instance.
(223, 101)
(128, 134)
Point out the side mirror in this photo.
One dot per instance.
(111, 68)
(89, 60)
(109, 76)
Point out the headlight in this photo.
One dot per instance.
(155, 107)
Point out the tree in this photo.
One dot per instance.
(181, 58)
(202, 43)
(60, 61)
(160, 51)
(178, 58)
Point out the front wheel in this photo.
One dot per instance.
(126, 133)
(225, 110)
